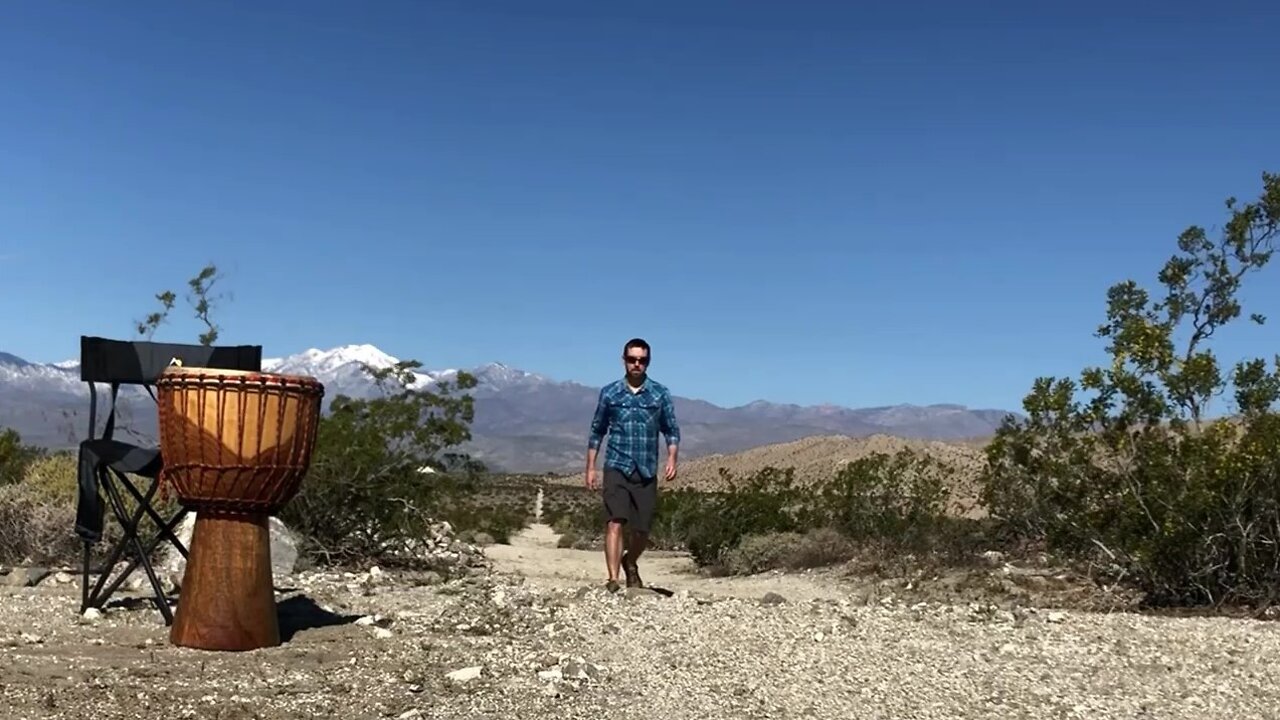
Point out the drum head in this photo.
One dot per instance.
(201, 373)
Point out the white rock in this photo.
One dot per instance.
(284, 549)
(466, 674)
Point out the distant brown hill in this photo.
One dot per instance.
(819, 457)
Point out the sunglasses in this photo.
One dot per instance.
(634, 359)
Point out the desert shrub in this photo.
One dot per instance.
(367, 496)
(902, 497)
(472, 506)
(566, 506)
(15, 457)
(33, 529)
(709, 524)
(39, 512)
(787, 551)
(53, 477)
(895, 501)
(1135, 477)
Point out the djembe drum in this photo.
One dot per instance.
(236, 446)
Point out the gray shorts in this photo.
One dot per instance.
(632, 498)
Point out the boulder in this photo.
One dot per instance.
(284, 549)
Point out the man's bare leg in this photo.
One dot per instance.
(613, 549)
(636, 543)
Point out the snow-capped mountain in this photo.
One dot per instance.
(523, 421)
(342, 369)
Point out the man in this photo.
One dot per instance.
(632, 411)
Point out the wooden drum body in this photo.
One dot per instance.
(236, 446)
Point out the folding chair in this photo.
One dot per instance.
(105, 462)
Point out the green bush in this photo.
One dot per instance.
(15, 457)
(788, 551)
(55, 477)
(366, 496)
(767, 501)
(899, 500)
(902, 496)
(1135, 477)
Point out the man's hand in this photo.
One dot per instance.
(589, 478)
(671, 470)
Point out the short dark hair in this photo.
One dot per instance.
(637, 343)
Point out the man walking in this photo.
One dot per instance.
(632, 411)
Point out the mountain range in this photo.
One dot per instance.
(524, 422)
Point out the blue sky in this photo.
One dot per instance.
(802, 202)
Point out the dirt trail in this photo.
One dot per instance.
(534, 555)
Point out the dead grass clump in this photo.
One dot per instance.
(34, 530)
(757, 553)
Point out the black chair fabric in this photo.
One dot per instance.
(139, 362)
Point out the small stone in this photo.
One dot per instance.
(25, 577)
(580, 669)
(1056, 617)
(772, 598)
(466, 674)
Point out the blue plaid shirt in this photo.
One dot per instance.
(632, 422)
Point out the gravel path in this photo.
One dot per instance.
(539, 638)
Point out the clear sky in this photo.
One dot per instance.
(800, 202)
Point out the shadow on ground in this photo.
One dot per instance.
(300, 613)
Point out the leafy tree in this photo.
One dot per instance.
(1135, 472)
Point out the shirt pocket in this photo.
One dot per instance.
(643, 411)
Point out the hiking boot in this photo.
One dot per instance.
(633, 573)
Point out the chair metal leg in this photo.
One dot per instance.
(164, 528)
(131, 536)
(84, 579)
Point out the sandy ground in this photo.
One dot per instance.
(533, 554)
(538, 638)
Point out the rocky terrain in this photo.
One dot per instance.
(526, 631)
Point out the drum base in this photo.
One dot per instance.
(227, 600)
